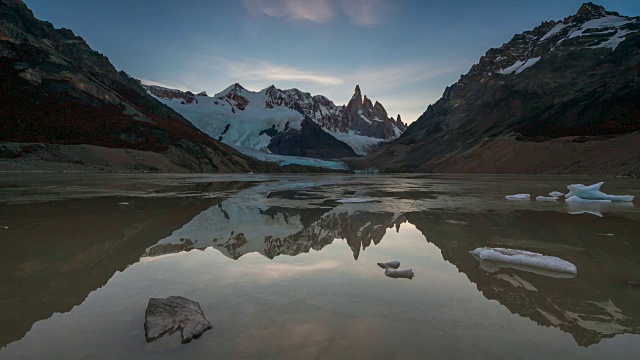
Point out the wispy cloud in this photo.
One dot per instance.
(361, 12)
(256, 70)
(318, 11)
(366, 12)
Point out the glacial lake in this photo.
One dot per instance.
(284, 270)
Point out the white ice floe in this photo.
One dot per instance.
(546, 198)
(576, 199)
(4, 227)
(524, 258)
(355, 200)
(123, 203)
(556, 193)
(518, 197)
(592, 192)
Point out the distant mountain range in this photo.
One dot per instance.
(286, 122)
(562, 98)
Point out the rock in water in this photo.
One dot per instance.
(397, 274)
(166, 316)
(633, 282)
(390, 264)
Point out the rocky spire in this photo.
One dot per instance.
(357, 92)
(590, 7)
(399, 120)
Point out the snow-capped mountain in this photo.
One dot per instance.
(541, 103)
(286, 122)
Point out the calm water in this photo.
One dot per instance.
(283, 270)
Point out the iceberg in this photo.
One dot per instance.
(556, 194)
(525, 259)
(592, 192)
(546, 198)
(518, 197)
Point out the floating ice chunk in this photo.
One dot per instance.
(355, 200)
(390, 270)
(524, 258)
(123, 203)
(556, 193)
(546, 198)
(405, 274)
(576, 199)
(4, 227)
(518, 197)
(592, 192)
(390, 264)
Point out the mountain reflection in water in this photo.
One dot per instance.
(57, 252)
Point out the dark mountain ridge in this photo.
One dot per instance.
(57, 90)
(562, 89)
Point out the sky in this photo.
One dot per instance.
(402, 53)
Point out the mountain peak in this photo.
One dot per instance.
(590, 7)
(357, 91)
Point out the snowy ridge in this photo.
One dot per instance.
(248, 120)
(591, 28)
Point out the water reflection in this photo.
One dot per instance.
(55, 253)
(596, 304)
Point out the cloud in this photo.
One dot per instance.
(256, 70)
(366, 12)
(318, 11)
(360, 12)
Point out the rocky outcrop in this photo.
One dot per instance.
(186, 97)
(175, 313)
(309, 141)
(367, 119)
(548, 95)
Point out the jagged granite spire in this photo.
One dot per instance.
(590, 7)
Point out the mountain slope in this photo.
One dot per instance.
(562, 98)
(248, 119)
(56, 89)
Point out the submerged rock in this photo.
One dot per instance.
(166, 316)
